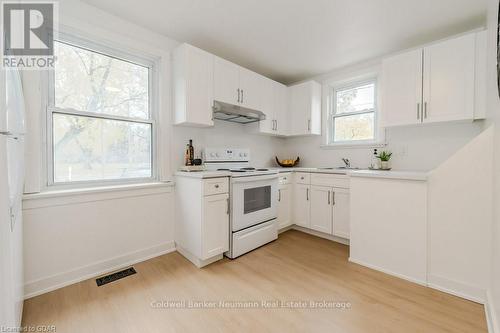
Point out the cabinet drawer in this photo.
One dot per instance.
(285, 178)
(215, 186)
(303, 178)
(324, 179)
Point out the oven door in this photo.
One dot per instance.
(254, 200)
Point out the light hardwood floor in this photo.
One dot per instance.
(296, 267)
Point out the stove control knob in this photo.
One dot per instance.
(216, 154)
(241, 155)
(212, 154)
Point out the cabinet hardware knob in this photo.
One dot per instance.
(216, 185)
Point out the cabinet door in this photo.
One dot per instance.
(280, 108)
(215, 228)
(299, 109)
(284, 206)
(402, 89)
(301, 205)
(199, 87)
(226, 81)
(305, 108)
(449, 80)
(268, 125)
(341, 214)
(321, 209)
(251, 85)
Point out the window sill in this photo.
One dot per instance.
(73, 196)
(364, 145)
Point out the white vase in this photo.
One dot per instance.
(385, 165)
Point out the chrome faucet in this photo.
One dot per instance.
(347, 162)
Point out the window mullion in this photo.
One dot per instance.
(74, 112)
(353, 113)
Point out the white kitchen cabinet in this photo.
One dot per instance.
(305, 108)
(402, 89)
(301, 205)
(215, 229)
(281, 115)
(284, 205)
(226, 82)
(274, 106)
(448, 87)
(236, 85)
(251, 89)
(202, 218)
(321, 209)
(266, 126)
(436, 83)
(341, 212)
(193, 87)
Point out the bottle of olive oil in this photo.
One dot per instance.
(191, 152)
(187, 160)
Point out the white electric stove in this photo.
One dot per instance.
(253, 199)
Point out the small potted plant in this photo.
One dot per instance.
(384, 158)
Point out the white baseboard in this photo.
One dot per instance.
(50, 283)
(491, 317)
(320, 234)
(383, 270)
(456, 288)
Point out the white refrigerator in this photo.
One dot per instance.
(12, 130)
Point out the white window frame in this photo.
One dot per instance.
(332, 115)
(51, 109)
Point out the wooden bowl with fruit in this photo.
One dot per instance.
(287, 163)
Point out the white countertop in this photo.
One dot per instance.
(203, 174)
(391, 174)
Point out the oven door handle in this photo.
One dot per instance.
(253, 178)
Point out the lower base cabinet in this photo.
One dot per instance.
(301, 205)
(341, 212)
(202, 218)
(284, 206)
(215, 229)
(322, 208)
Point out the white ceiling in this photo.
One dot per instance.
(290, 40)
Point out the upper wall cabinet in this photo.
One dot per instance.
(274, 105)
(437, 83)
(193, 86)
(199, 78)
(236, 85)
(226, 81)
(305, 108)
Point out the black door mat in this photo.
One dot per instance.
(115, 276)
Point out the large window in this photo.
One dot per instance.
(353, 109)
(100, 117)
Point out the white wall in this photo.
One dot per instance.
(494, 117)
(414, 147)
(73, 237)
(224, 134)
(459, 220)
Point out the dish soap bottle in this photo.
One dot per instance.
(374, 161)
